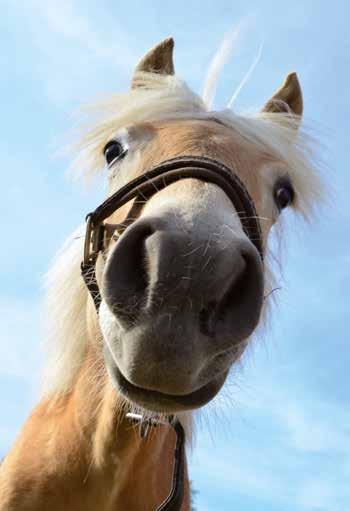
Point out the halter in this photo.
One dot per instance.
(141, 189)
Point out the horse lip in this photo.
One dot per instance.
(166, 402)
(158, 401)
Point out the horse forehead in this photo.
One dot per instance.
(204, 138)
(197, 137)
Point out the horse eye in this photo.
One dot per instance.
(283, 193)
(113, 151)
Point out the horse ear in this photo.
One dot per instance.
(157, 60)
(287, 99)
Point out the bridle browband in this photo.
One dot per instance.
(141, 189)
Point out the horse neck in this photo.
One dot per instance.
(81, 451)
(137, 471)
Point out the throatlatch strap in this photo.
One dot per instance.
(175, 498)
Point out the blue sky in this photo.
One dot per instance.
(281, 438)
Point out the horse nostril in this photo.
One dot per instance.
(234, 296)
(239, 306)
(125, 279)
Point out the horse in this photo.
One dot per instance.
(176, 271)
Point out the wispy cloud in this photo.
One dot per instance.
(66, 19)
(317, 494)
(75, 46)
(287, 445)
(310, 431)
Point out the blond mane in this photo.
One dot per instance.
(165, 97)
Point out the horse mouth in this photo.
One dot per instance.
(156, 401)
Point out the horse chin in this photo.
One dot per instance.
(159, 402)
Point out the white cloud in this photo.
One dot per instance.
(311, 431)
(284, 445)
(317, 495)
(66, 19)
(309, 423)
(76, 51)
(263, 468)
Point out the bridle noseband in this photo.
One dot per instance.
(142, 189)
(148, 184)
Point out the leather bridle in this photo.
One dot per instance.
(141, 189)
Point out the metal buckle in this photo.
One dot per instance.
(88, 240)
(145, 424)
(93, 240)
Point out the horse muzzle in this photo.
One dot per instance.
(177, 310)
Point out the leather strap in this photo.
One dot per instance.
(175, 498)
(195, 167)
